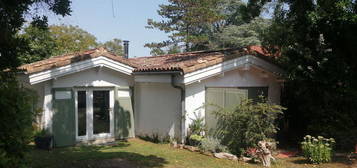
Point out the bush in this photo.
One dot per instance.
(195, 140)
(317, 150)
(197, 126)
(246, 124)
(17, 113)
(211, 144)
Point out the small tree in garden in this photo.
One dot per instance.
(246, 124)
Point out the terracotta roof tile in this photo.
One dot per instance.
(63, 60)
(186, 62)
(193, 61)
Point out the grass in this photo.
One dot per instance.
(139, 153)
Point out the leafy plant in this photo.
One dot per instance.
(197, 126)
(246, 124)
(195, 140)
(17, 113)
(41, 133)
(317, 150)
(211, 144)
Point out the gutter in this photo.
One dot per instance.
(183, 111)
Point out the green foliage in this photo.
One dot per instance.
(234, 36)
(13, 16)
(317, 150)
(115, 46)
(41, 44)
(208, 24)
(317, 42)
(41, 133)
(71, 39)
(45, 42)
(185, 22)
(210, 144)
(195, 139)
(156, 50)
(197, 125)
(17, 113)
(246, 124)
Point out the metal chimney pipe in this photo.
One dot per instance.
(126, 49)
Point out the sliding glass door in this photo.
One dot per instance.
(94, 113)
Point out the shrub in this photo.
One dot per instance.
(317, 150)
(246, 124)
(195, 140)
(197, 126)
(211, 144)
(17, 113)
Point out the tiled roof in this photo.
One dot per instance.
(63, 60)
(192, 61)
(186, 62)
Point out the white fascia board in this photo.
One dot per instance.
(165, 78)
(229, 65)
(80, 66)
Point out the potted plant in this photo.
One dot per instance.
(44, 140)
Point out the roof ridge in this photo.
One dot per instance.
(183, 53)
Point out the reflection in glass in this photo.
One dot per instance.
(101, 116)
(82, 110)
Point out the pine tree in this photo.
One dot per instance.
(185, 20)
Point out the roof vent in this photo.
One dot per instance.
(126, 49)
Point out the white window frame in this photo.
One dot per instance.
(89, 122)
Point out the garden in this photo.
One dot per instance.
(247, 142)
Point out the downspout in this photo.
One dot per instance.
(183, 111)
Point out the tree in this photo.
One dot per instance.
(41, 44)
(233, 36)
(16, 113)
(209, 24)
(317, 42)
(185, 20)
(44, 42)
(71, 39)
(114, 46)
(155, 51)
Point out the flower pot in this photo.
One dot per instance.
(44, 142)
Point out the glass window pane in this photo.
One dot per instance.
(233, 96)
(255, 92)
(101, 118)
(82, 113)
(214, 98)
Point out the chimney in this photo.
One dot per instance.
(126, 49)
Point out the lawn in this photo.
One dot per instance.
(139, 153)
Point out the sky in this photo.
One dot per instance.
(123, 19)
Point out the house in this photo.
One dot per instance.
(95, 96)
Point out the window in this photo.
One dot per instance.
(228, 98)
(82, 113)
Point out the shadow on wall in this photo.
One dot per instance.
(123, 121)
(95, 156)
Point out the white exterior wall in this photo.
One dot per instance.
(98, 77)
(195, 92)
(157, 110)
(94, 77)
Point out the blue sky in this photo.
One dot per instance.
(127, 22)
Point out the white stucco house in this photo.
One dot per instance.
(95, 95)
